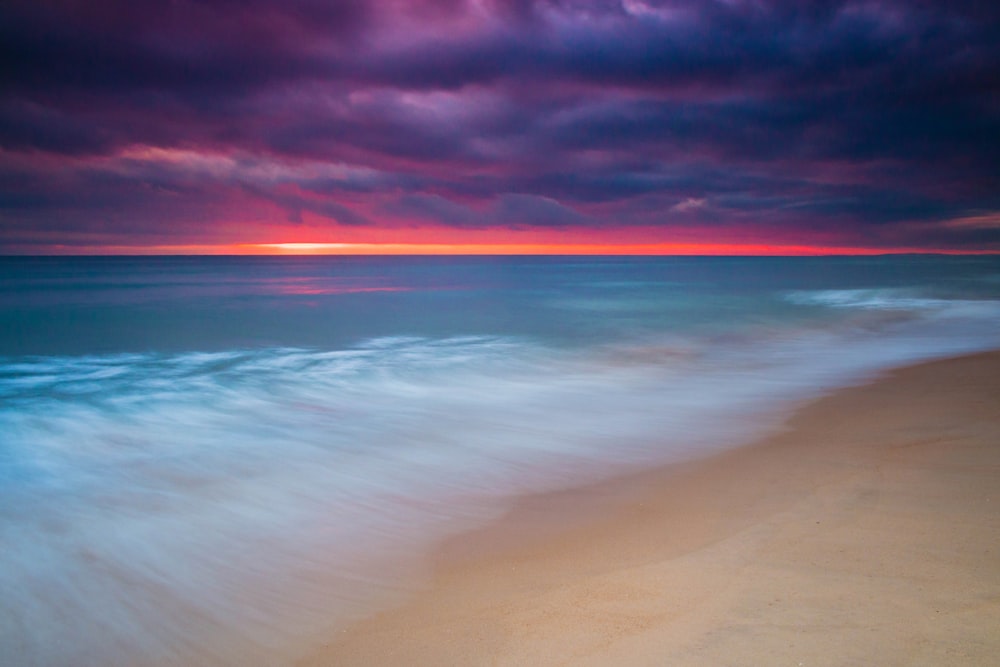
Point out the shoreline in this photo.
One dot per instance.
(861, 533)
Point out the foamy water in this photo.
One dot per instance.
(229, 505)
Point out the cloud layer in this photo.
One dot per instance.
(213, 121)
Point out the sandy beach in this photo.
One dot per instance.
(866, 533)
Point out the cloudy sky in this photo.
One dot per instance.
(173, 125)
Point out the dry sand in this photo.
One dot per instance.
(867, 533)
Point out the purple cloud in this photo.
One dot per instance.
(157, 119)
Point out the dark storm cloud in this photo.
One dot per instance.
(822, 114)
(176, 46)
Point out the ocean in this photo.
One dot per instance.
(215, 460)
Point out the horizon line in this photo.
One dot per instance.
(486, 249)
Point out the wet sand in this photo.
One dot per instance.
(866, 533)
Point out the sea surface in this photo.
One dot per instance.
(216, 460)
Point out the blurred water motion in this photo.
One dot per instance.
(210, 459)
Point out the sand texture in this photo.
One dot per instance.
(866, 533)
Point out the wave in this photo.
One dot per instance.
(888, 299)
(217, 508)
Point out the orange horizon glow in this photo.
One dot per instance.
(633, 249)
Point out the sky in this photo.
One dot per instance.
(715, 126)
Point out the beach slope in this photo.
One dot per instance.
(865, 533)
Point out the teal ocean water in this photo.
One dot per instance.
(214, 459)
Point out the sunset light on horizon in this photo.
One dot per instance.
(375, 249)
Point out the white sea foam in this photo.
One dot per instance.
(883, 298)
(219, 508)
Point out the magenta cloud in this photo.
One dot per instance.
(875, 122)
